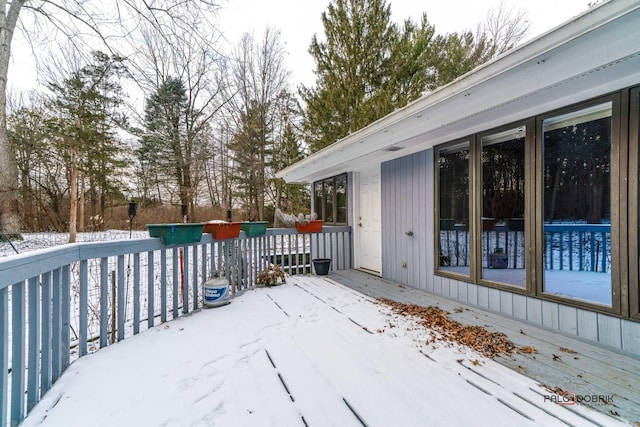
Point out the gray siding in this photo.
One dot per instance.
(407, 205)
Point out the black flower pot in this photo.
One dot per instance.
(321, 266)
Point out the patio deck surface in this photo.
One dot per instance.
(312, 352)
(590, 371)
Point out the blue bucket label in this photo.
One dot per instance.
(212, 294)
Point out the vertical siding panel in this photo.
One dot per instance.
(506, 302)
(630, 336)
(414, 196)
(437, 284)
(472, 294)
(463, 291)
(404, 208)
(534, 310)
(393, 267)
(428, 197)
(385, 215)
(421, 239)
(610, 330)
(519, 306)
(550, 315)
(389, 243)
(445, 286)
(483, 296)
(431, 283)
(587, 325)
(568, 319)
(494, 299)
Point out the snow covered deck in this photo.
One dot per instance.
(310, 352)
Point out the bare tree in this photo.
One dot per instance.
(260, 77)
(189, 55)
(505, 27)
(76, 20)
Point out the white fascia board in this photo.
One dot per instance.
(602, 35)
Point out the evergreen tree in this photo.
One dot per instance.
(367, 68)
(85, 105)
(171, 147)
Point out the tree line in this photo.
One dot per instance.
(215, 122)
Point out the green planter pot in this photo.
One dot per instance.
(254, 228)
(176, 234)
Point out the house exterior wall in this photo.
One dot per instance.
(408, 205)
(407, 219)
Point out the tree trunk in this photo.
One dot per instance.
(9, 212)
(73, 197)
(81, 206)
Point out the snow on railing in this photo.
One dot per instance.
(61, 303)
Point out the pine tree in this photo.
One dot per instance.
(367, 68)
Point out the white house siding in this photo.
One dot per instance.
(407, 186)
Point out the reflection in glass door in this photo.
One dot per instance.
(453, 204)
(503, 207)
(577, 204)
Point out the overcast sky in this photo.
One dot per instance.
(299, 20)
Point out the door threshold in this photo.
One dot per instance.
(368, 271)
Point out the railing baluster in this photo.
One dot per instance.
(4, 354)
(177, 264)
(83, 333)
(18, 366)
(33, 370)
(194, 281)
(163, 285)
(561, 251)
(45, 375)
(66, 316)
(121, 299)
(151, 303)
(56, 326)
(185, 280)
(104, 301)
(136, 293)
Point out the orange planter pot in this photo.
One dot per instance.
(314, 226)
(223, 230)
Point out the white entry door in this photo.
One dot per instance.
(368, 222)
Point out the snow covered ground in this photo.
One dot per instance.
(309, 352)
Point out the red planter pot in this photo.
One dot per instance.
(314, 226)
(223, 230)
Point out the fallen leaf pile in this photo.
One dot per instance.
(489, 344)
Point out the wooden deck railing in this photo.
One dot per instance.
(62, 303)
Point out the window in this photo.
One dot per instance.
(537, 209)
(503, 206)
(576, 175)
(330, 199)
(453, 208)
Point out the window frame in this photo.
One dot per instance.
(617, 146)
(471, 224)
(529, 143)
(625, 205)
(320, 210)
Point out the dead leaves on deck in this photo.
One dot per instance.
(489, 344)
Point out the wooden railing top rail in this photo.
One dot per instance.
(19, 267)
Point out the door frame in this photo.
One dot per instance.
(357, 235)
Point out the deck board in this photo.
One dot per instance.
(592, 370)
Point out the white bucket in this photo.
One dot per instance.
(216, 292)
